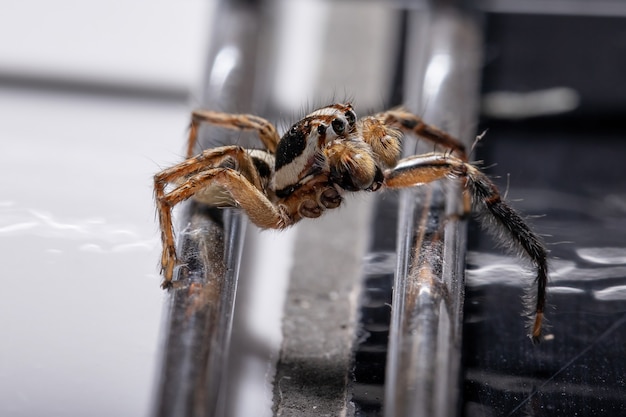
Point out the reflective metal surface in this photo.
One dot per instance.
(425, 338)
(201, 306)
(342, 57)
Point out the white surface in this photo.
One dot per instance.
(80, 306)
(80, 303)
(125, 41)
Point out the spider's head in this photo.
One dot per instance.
(300, 152)
(337, 121)
(351, 162)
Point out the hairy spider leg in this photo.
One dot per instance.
(385, 141)
(502, 220)
(257, 206)
(210, 158)
(190, 179)
(410, 123)
(266, 130)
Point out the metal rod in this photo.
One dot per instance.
(200, 306)
(346, 54)
(423, 365)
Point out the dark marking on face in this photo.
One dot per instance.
(292, 144)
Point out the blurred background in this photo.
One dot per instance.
(95, 99)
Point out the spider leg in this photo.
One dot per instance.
(188, 179)
(500, 218)
(383, 139)
(201, 185)
(410, 123)
(266, 131)
(259, 209)
(210, 158)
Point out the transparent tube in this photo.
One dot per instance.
(423, 365)
(200, 306)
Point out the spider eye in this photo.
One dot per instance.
(338, 126)
(321, 130)
(350, 117)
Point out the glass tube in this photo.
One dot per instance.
(423, 365)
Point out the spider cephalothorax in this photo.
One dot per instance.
(320, 158)
(331, 142)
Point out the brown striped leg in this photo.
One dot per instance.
(206, 159)
(410, 123)
(184, 172)
(502, 220)
(266, 131)
(243, 193)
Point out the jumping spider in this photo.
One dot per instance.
(319, 159)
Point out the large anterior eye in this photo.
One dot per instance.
(338, 126)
